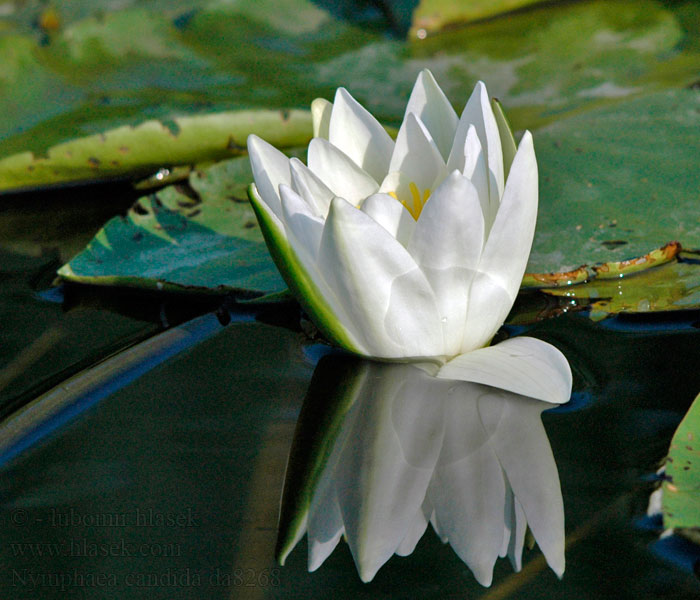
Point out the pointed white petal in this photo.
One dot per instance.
(506, 251)
(392, 215)
(468, 496)
(431, 106)
(360, 136)
(517, 538)
(302, 275)
(524, 452)
(321, 117)
(508, 520)
(339, 173)
(388, 461)
(523, 365)
(383, 290)
(270, 169)
(416, 154)
(475, 169)
(447, 245)
(319, 551)
(310, 188)
(478, 112)
(303, 227)
(413, 536)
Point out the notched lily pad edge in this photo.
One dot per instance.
(607, 270)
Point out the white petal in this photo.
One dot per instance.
(414, 534)
(360, 136)
(416, 154)
(339, 172)
(517, 538)
(475, 169)
(447, 246)
(303, 227)
(506, 251)
(431, 106)
(468, 496)
(270, 169)
(523, 365)
(384, 291)
(392, 215)
(302, 275)
(524, 452)
(388, 461)
(321, 117)
(508, 520)
(478, 112)
(310, 187)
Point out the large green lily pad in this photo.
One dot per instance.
(143, 149)
(543, 64)
(681, 495)
(617, 182)
(110, 64)
(197, 236)
(113, 64)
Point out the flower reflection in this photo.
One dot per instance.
(381, 450)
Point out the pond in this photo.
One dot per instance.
(171, 431)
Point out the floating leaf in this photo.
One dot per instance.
(543, 64)
(198, 236)
(616, 182)
(681, 495)
(112, 64)
(434, 15)
(673, 286)
(153, 144)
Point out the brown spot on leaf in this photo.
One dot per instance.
(233, 146)
(189, 192)
(94, 162)
(123, 149)
(612, 244)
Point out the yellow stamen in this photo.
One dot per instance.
(416, 203)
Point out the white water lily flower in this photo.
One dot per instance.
(407, 249)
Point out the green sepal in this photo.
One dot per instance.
(332, 392)
(296, 277)
(505, 132)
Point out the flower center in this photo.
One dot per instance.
(416, 202)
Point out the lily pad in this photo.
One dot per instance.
(672, 286)
(111, 64)
(618, 182)
(434, 15)
(197, 236)
(543, 64)
(681, 495)
(153, 144)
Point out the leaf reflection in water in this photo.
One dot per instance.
(381, 450)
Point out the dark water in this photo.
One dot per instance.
(170, 487)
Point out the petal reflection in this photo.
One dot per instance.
(382, 449)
